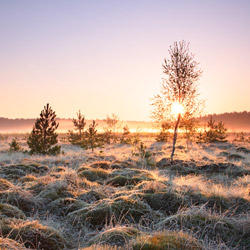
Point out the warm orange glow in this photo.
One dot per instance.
(177, 108)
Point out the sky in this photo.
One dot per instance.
(104, 57)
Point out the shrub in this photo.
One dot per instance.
(14, 146)
(164, 134)
(43, 136)
(215, 132)
(79, 124)
(92, 139)
(126, 137)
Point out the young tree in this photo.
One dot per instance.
(92, 139)
(43, 136)
(179, 95)
(110, 131)
(79, 124)
(215, 132)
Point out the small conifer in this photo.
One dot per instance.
(43, 137)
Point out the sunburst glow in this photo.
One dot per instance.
(177, 108)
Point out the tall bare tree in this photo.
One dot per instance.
(179, 88)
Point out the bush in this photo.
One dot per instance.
(215, 132)
(14, 146)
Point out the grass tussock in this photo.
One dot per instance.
(110, 200)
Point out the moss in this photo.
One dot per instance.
(33, 234)
(5, 185)
(11, 211)
(63, 206)
(94, 174)
(167, 240)
(117, 236)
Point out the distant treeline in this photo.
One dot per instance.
(25, 125)
(234, 121)
(238, 121)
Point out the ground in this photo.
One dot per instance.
(115, 199)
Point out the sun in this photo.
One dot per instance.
(177, 108)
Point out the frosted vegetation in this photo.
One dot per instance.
(126, 196)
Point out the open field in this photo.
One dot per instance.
(113, 199)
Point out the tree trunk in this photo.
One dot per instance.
(175, 136)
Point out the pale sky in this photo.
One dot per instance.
(104, 57)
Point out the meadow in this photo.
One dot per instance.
(118, 198)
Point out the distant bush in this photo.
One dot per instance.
(215, 132)
(126, 136)
(164, 134)
(14, 146)
(79, 124)
(92, 139)
(110, 131)
(43, 136)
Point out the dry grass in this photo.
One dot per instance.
(110, 200)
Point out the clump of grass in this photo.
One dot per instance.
(116, 236)
(167, 240)
(169, 201)
(151, 186)
(205, 224)
(9, 244)
(101, 164)
(22, 199)
(102, 247)
(28, 178)
(94, 174)
(5, 185)
(55, 190)
(63, 206)
(7, 210)
(32, 234)
(235, 157)
(91, 196)
(119, 209)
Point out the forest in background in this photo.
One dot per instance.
(234, 121)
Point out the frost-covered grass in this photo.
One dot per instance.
(112, 199)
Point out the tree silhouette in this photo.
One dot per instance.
(178, 87)
(43, 136)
